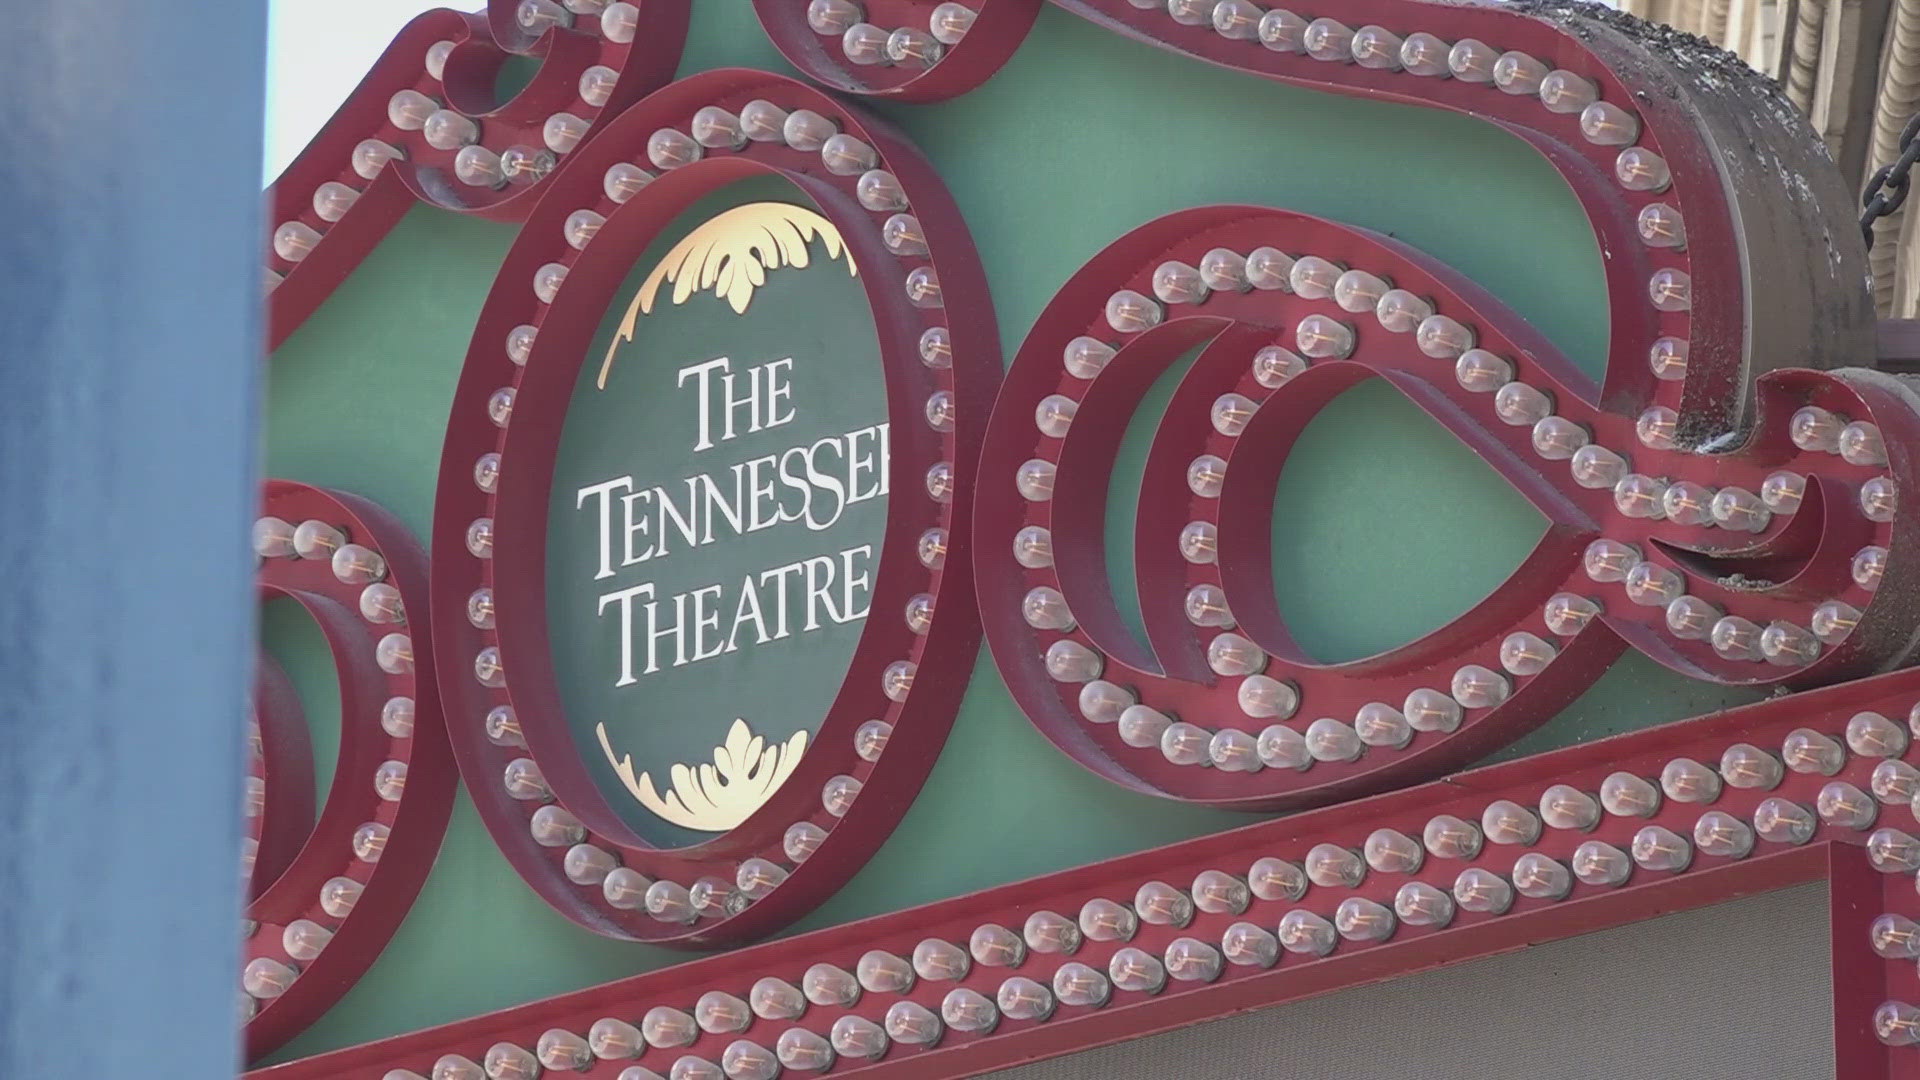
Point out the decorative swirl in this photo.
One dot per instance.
(318, 919)
(425, 125)
(1730, 518)
(902, 50)
(718, 797)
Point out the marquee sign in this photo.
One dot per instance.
(726, 459)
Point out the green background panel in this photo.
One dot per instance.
(1082, 137)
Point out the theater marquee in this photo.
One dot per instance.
(734, 479)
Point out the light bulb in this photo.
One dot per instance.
(1282, 747)
(1735, 638)
(838, 793)
(1741, 510)
(881, 972)
(1562, 91)
(394, 654)
(1070, 661)
(1844, 806)
(1869, 565)
(1021, 998)
(864, 44)
(1231, 654)
(503, 729)
(670, 148)
(1175, 282)
(1471, 60)
(1423, 54)
(1358, 291)
(1313, 277)
(1640, 496)
(339, 896)
(1230, 413)
(1540, 877)
(1670, 290)
(1054, 415)
(1302, 931)
(1653, 585)
(597, 83)
(757, 878)
(1661, 850)
(588, 865)
(266, 978)
(371, 155)
(294, 239)
(1427, 709)
(1661, 226)
(1206, 605)
(1597, 862)
(950, 22)
(1161, 904)
(1870, 734)
(1780, 821)
(408, 110)
(1507, 822)
(488, 669)
(1276, 879)
(1282, 31)
(1482, 891)
(625, 888)
(932, 548)
(1375, 47)
(1892, 851)
(1390, 851)
(1606, 124)
(1238, 20)
(997, 946)
(1130, 312)
(1274, 367)
(1334, 867)
(1521, 405)
(1564, 806)
(1878, 499)
(1686, 780)
(538, 16)
(1894, 782)
(1324, 338)
(1105, 920)
(554, 827)
(1722, 835)
(1420, 904)
(844, 155)
(390, 780)
(1328, 39)
(1609, 560)
(871, 738)
(1626, 795)
(273, 538)
(940, 480)
(1807, 751)
(624, 180)
(1525, 654)
(449, 130)
(369, 841)
(1687, 503)
(1443, 338)
(1192, 960)
(1401, 312)
(1476, 687)
(1269, 268)
(1832, 621)
(332, 200)
(1450, 837)
(1102, 702)
(1518, 74)
(1187, 744)
(1787, 644)
(1052, 933)
(1379, 724)
(1894, 937)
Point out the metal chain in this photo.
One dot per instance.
(1887, 190)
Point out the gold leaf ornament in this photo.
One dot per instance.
(745, 773)
(732, 254)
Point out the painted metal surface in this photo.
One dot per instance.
(126, 650)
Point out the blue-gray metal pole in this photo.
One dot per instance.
(130, 254)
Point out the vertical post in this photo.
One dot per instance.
(129, 345)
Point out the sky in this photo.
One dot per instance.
(316, 54)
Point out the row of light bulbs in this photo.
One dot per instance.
(1554, 437)
(865, 44)
(265, 978)
(445, 128)
(1216, 896)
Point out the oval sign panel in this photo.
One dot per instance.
(707, 456)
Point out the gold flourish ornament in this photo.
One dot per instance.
(732, 254)
(718, 797)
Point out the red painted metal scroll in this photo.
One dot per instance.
(426, 125)
(319, 918)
